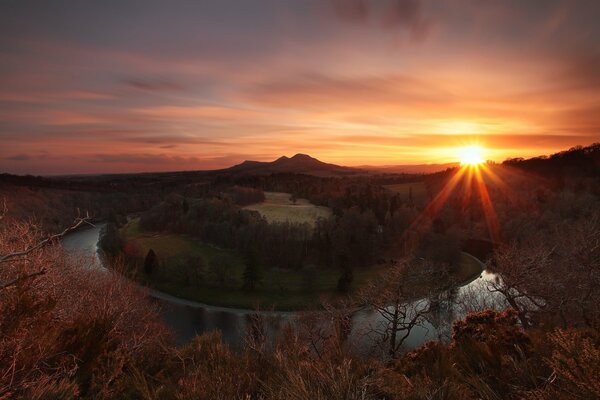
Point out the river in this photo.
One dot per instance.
(188, 318)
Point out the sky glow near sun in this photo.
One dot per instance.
(150, 86)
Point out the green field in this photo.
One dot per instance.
(278, 207)
(419, 191)
(183, 259)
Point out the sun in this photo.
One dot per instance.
(471, 155)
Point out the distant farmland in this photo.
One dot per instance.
(278, 207)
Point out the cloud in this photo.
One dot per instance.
(327, 92)
(198, 113)
(272, 77)
(494, 141)
(149, 159)
(351, 10)
(389, 14)
(18, 157)
(153, 85)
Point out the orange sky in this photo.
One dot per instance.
(150, 86)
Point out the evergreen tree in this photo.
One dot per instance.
(347, 277)
(150, 262)
(251, 272)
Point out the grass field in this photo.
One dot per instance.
(278, 207)
(419, 191)
(172, 246)
(279, 289)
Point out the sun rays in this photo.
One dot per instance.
(470, 183)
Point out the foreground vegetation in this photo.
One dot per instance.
(79, 333)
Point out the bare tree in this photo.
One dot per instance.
(70, 311)
(557, 279)
(394, 297)
(22, 255)
(522, 278)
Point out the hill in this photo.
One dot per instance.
(578, 161)
(298, 164)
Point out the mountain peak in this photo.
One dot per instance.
(281, 159)
(301, 156)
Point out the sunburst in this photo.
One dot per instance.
(471, 155)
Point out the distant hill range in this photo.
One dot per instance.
(579, 160)
(298, 164)
(305, 164)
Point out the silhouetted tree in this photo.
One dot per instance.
(347, 277)
(393, 297)
(150, 262)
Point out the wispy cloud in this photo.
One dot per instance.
(18, 157)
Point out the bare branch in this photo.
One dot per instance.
(18, 254)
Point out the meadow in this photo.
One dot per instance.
(278, 207)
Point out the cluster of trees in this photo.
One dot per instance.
(337, 193)
(355, 235)
(243, 196)
(577, 161)
(56, 207)
(353, 238)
